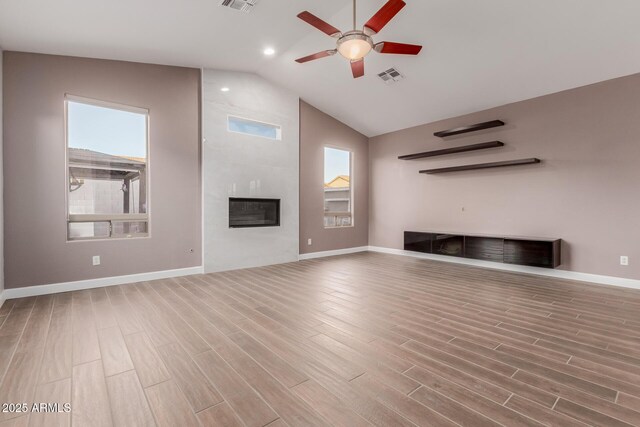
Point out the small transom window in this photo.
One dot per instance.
(254, 128)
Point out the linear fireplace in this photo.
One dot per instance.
(245, 212)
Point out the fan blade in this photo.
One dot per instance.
(318, 55)
(383, 16)
(313, 20)
(397, 48)
(357, 68)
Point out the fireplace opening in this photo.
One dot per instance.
(244, 213)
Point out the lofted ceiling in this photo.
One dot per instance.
(477, 54)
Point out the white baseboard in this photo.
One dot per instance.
(156, 275)
(346, 251)
(560, 274)
(55, 288)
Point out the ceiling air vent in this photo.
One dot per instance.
(241, 5)
(391, 76)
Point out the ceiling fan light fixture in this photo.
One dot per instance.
(355, 45)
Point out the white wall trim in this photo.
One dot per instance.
(201, 147)
(156, 275)
(55, 288)
(346, 251)
(560, 274)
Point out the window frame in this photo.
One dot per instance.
(110, 218)
(351, 185)
(278, 127)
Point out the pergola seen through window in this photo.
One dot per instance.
(107, 170)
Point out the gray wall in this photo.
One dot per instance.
(34, 167)
(585, 191)
(1, 187)
(237, 165)
(318, 130)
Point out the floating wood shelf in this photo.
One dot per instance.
(472, 128)
(465, 148)
(482, 166)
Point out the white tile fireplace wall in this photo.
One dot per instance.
(241, 165)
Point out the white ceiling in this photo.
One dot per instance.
(477, 54)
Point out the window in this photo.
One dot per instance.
(254, 128)
(338, 210)
(106, 170)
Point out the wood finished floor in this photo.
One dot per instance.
(363, 339)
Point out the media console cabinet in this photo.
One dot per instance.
(535, 252)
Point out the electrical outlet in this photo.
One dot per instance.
(96, 260)
(309, 242)
(624, 260)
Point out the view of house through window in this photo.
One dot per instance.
(337, 188)
(107, 170)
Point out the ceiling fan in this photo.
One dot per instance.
(356, 44)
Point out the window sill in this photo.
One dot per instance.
(129, 217)
(108, 239)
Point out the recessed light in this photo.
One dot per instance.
(225, 89)
(269, 51)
